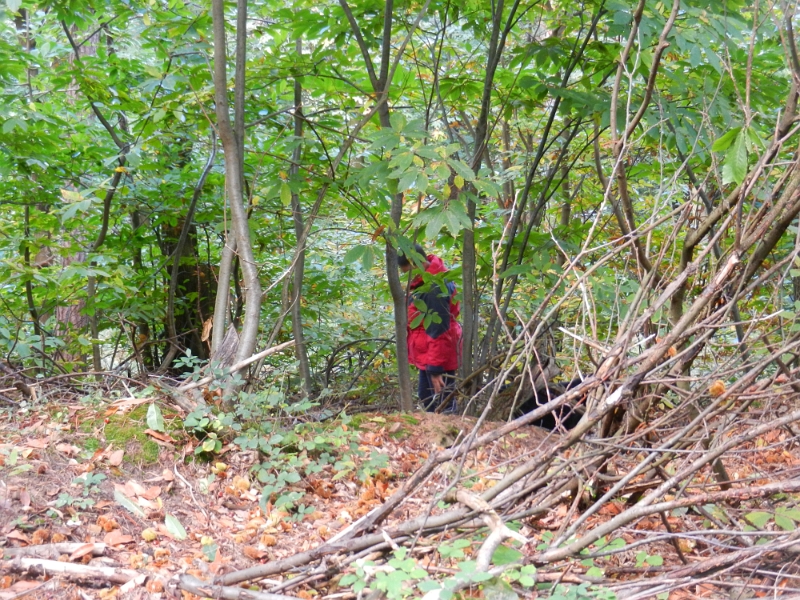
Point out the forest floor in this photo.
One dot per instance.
(92, 485)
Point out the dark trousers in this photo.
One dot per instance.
(430, 399)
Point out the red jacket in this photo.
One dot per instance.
(437, 347)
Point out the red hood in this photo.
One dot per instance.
(435, 265)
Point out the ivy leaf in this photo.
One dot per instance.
(155, 420)
(734, 168)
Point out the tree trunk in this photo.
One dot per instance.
(299, 227)
(233, 182)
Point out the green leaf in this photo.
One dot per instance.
(155, 419)
(461, 168)
(456, 218)
(210, 551)
(758, 518)
(286, 194)
(784, 523)
(175, 528)
(726, 140)
(791, 513)
(655, 560)
(398, 121)
(516, 270)
(407, 180)
(126, 502)
(368, 258)
(355, 253)
(435, 225)
(734, 168)
(505, 556)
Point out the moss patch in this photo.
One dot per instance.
(125, 432)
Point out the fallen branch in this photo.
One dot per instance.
(39, 566)
(206, 589)
(500, 531)
(55, 550)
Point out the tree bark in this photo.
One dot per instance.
(233, 182)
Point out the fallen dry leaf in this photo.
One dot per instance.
(151, 493)
(255, 553)
(23, 586)
(81, 552)
(19, 536)
(68, 449)
(117, 538)
(115, 458)
(160, 437)
(168, 475)
(40, 443)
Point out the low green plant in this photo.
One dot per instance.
(583, 591)
(396, 579)
(89, 481)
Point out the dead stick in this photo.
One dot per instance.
(494, 522)
(206, 589)
(52, 550)
(40, 566)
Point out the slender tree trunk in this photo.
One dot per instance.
(299, 227)
(234, 177)
(222, 301)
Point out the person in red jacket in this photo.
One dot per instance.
(434, 334)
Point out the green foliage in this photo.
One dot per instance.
(90, 482)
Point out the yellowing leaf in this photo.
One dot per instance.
(459, 181)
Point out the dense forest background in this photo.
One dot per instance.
(601, 177)
(202, 209)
